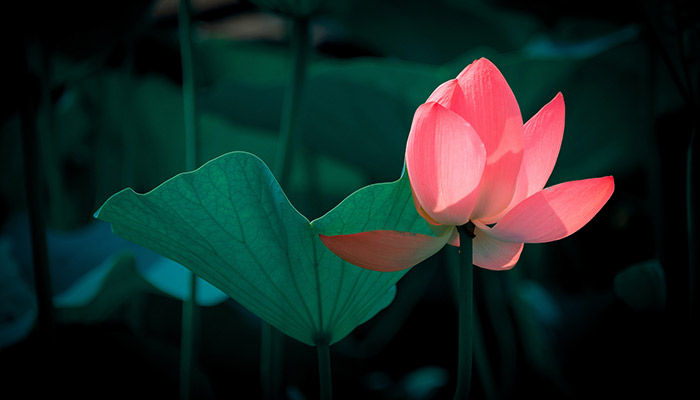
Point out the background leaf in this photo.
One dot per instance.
(642, 286)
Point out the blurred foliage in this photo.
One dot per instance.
(292, 8)
(642, 286)
(559, 325)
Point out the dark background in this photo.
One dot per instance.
(606, 312)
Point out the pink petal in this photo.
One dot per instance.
(543, 136)
(445, 159)
(493, 254)
(420, 209)
(450, 96)
(454, 239)
(385, 250)
(490, 253)
(491, 108)
(555, 212)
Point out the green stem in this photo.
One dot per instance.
(271, 350)
(324, 371)
(481, 362)
(190, 311)
(188, 84)
(188, 352)
(691, 198)
(465, 301)
(300, 46)
(502, 325)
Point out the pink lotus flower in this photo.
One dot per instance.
(469, 158)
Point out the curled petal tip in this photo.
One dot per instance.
(484, 61)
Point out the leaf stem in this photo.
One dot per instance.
(271, 351)
(300, 45)
(188, 84)
(691, 198)
(188, 353)
(465, 301)
(188, 349)
(271, 342)
(324, 371)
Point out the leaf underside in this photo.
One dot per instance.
(231, 224)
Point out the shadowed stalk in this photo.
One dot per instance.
(188, 84)
(503, 330)
(465, 304)
(481, 361)
(300, 46)
(271, 346)
(190, 312)
(691, 198)
(188, 349)
(272, 341)
(324, 371)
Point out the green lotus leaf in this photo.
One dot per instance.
(231, 224)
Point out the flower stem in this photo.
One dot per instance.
(465, 301)
(190, 312)
(324, 371)
(482, 363)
